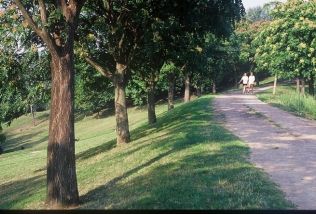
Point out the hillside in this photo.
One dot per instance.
(186, 160)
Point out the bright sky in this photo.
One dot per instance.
(254, 3)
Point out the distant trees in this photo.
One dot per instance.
(246, 30)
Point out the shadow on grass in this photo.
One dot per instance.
(204, 180)
(198, 181)
(166, 121)
(14, 193)
(96, 150)
(23, 142)
(43, 116)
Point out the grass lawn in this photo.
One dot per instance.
(185, 161)
(287, 99)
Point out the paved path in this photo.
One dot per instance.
(281, 144)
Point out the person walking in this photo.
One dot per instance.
(251, 82)
(244, 79)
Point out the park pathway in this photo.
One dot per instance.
(281, 144)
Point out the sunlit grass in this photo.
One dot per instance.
(185, 161)
(288, 99)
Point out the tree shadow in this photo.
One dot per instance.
(203, 181)
(14, 193)
(166, 121)
(44, 116)
(96, 150)
(23, 142)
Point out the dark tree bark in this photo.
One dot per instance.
(171, 80)
(311, 84)
(62, 187)
(122, 127)
(61, 166)
(151, 102)
(187, 87)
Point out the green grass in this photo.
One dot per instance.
(289, 100)
(185, 161)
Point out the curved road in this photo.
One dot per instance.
(281, 144)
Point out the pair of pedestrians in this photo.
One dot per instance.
(248, 83)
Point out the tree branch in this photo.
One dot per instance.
(43, 11)
(63, 7)
(28, 18)
(98, 67)
(42, 33)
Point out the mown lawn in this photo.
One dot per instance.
(289, 100)
(185, 161)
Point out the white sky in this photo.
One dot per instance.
(253, 3)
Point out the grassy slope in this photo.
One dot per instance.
(287, 99)
(186, 160)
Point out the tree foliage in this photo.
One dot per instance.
(24, 69)
(286, 46)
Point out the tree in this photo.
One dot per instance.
(93, 91)
(201, 18)
(117, 28)
(24, 72)
(55, 23)
(171, 72)
(287, 45)
(120, 28)
(150, 61)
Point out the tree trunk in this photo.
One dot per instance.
(311, 83)
(122, 128)
(187, 87)
(33, 114)
(303, 87)
(198, 91)
(235, 77)
(297, 85)
(151, 103)
(171, 79)
(257, 81)
(275, 84)
(213, 87)
(62, 187)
